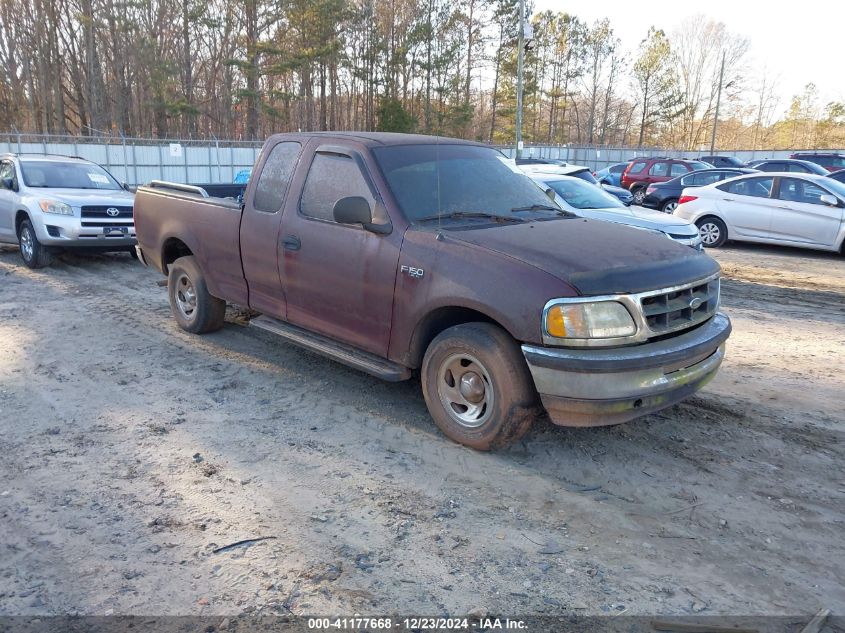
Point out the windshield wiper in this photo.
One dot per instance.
(545, 207)
(471, 214)
(536, 207)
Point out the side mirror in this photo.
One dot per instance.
(551, 194)
(125, 187)
(353, 210)
(829, 200)
(9, 183)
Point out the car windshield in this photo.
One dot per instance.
(814, 168)
(66, 175)
(836, 187)
(582, 195)
(446, 181)
(584, 174)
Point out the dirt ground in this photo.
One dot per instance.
(132, 452)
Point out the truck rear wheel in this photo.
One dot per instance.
(194, 308)
(477, 386)
(33, 252)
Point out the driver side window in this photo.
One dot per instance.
(330, 178)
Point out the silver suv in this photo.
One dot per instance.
(57, 202)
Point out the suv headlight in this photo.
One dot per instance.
(585, 320)
(54, 206)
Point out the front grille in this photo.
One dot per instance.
(107, 224)
(102, 211)
(681, 308)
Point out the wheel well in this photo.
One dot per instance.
(173, 249)
(437, 321)
(19, 218)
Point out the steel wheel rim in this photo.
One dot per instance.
(669, 208)
(27, 244)
(710, 233)
(465, 390)
(185, 296)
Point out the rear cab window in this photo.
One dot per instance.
(275, 176)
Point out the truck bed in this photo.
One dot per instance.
(175, 220)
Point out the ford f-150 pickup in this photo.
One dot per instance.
(403, 254)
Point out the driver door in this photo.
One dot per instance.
(338, 279)
(800, 215)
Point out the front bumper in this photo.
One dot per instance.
(71, 232)
(596, 387)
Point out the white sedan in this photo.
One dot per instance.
(588, 201)
(792, 209)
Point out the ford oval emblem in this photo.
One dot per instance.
(695, 302)
(112, 212)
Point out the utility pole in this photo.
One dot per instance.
(718, 99)
(519, 63)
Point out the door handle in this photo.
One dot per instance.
(291, 243)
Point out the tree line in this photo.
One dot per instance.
(243, 69)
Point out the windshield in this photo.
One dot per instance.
(444, 180)
(66, 175)
(836, 187)
(585, 174)
(582, 195)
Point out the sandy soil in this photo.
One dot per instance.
(132, 452)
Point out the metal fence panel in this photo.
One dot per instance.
(137, 161)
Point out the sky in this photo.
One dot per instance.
(796, 47)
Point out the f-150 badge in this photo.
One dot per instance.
(416, 273)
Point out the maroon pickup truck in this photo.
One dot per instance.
(402, 254)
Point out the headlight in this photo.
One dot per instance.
(598, 319)
(54, 206)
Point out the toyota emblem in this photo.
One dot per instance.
(112, 212)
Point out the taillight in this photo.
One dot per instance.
(687, 199)
(650, 190)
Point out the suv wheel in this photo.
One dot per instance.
(477, 386)
(33, 253)
(195, 309)
(639, 194)
(713, 232)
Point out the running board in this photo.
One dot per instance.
(340, 352)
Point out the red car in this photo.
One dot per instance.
(831, 161)
(642, 172)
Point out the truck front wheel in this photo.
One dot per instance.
(194, 308)
(477, 386)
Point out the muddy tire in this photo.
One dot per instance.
(193, 307)
(477, 386)
(33, 253)
(713, 231)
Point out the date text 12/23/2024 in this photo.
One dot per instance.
(358, 623)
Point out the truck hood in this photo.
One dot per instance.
(594, 257)
(642, 218)
(84, 197)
